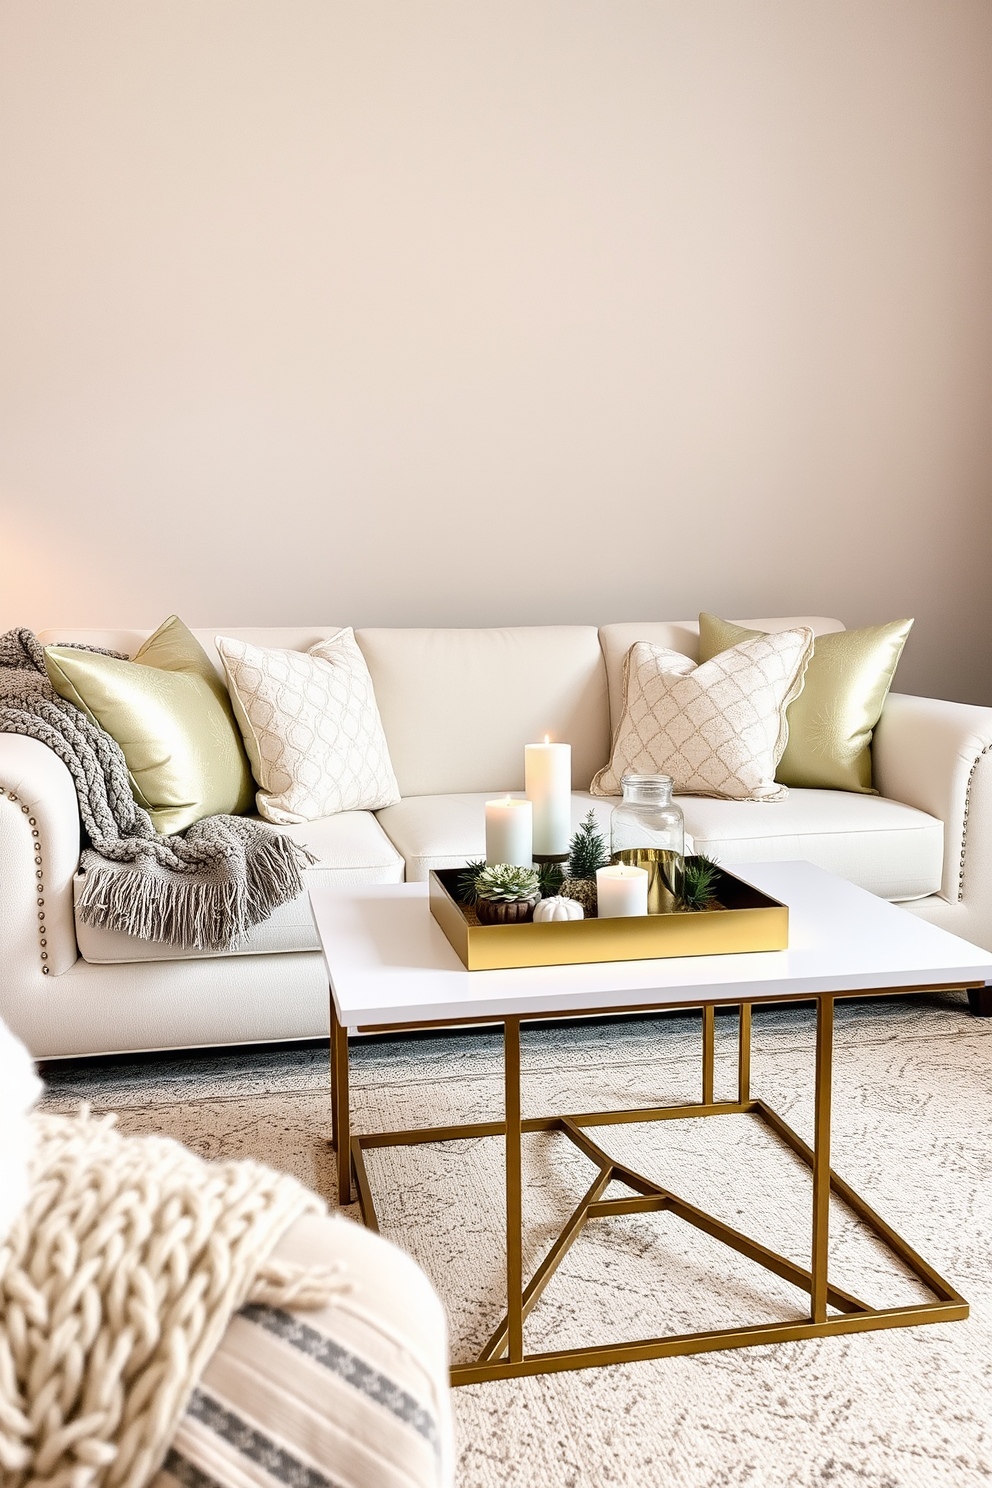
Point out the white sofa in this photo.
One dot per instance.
(457, 707)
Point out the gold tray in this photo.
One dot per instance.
(748, 921)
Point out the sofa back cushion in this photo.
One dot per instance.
(458, 706)
(679, 635)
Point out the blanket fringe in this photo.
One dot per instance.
(187, 912)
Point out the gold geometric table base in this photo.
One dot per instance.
(504, 1356)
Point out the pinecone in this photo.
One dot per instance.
(583, 891)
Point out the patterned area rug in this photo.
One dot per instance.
(906, 1408)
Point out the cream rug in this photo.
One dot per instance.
(906, 1408)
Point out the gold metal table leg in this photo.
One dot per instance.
(514, 1198)
(744, 1054)
(503, 1356)
(709, 1047)
(340, 1107)
(821, 1156)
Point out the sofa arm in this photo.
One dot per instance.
(934, 755)
(39, 853)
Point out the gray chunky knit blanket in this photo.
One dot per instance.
(204, 889)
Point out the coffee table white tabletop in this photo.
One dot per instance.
(389, 962)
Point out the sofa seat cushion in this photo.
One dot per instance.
(350, 848)
(892, 850)
(449, 831)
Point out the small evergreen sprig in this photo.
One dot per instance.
(699, 877)
(587, 850)
(506, 884)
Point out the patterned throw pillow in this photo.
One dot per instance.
(718, 729)
(311, 728)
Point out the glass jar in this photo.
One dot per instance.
(647, 829)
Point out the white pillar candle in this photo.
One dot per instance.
(548, 783)
(621, 891)
(510, 832)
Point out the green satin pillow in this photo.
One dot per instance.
(171, 715)
(832, 720)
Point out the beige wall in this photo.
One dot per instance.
(438, 311)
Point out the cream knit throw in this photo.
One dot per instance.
(116, 1285)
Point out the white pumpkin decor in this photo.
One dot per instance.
(557, 908)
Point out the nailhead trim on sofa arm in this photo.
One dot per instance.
(967, 809)
(39, 874)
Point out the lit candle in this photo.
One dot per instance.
(548, 783)
(510, 832)
(621, 891)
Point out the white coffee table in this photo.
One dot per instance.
(391, 967)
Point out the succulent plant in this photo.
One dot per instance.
(506, 884)
(699, 879)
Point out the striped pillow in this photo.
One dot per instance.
(352, 1395)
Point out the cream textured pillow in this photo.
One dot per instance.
(718, 729)
(311, 728)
